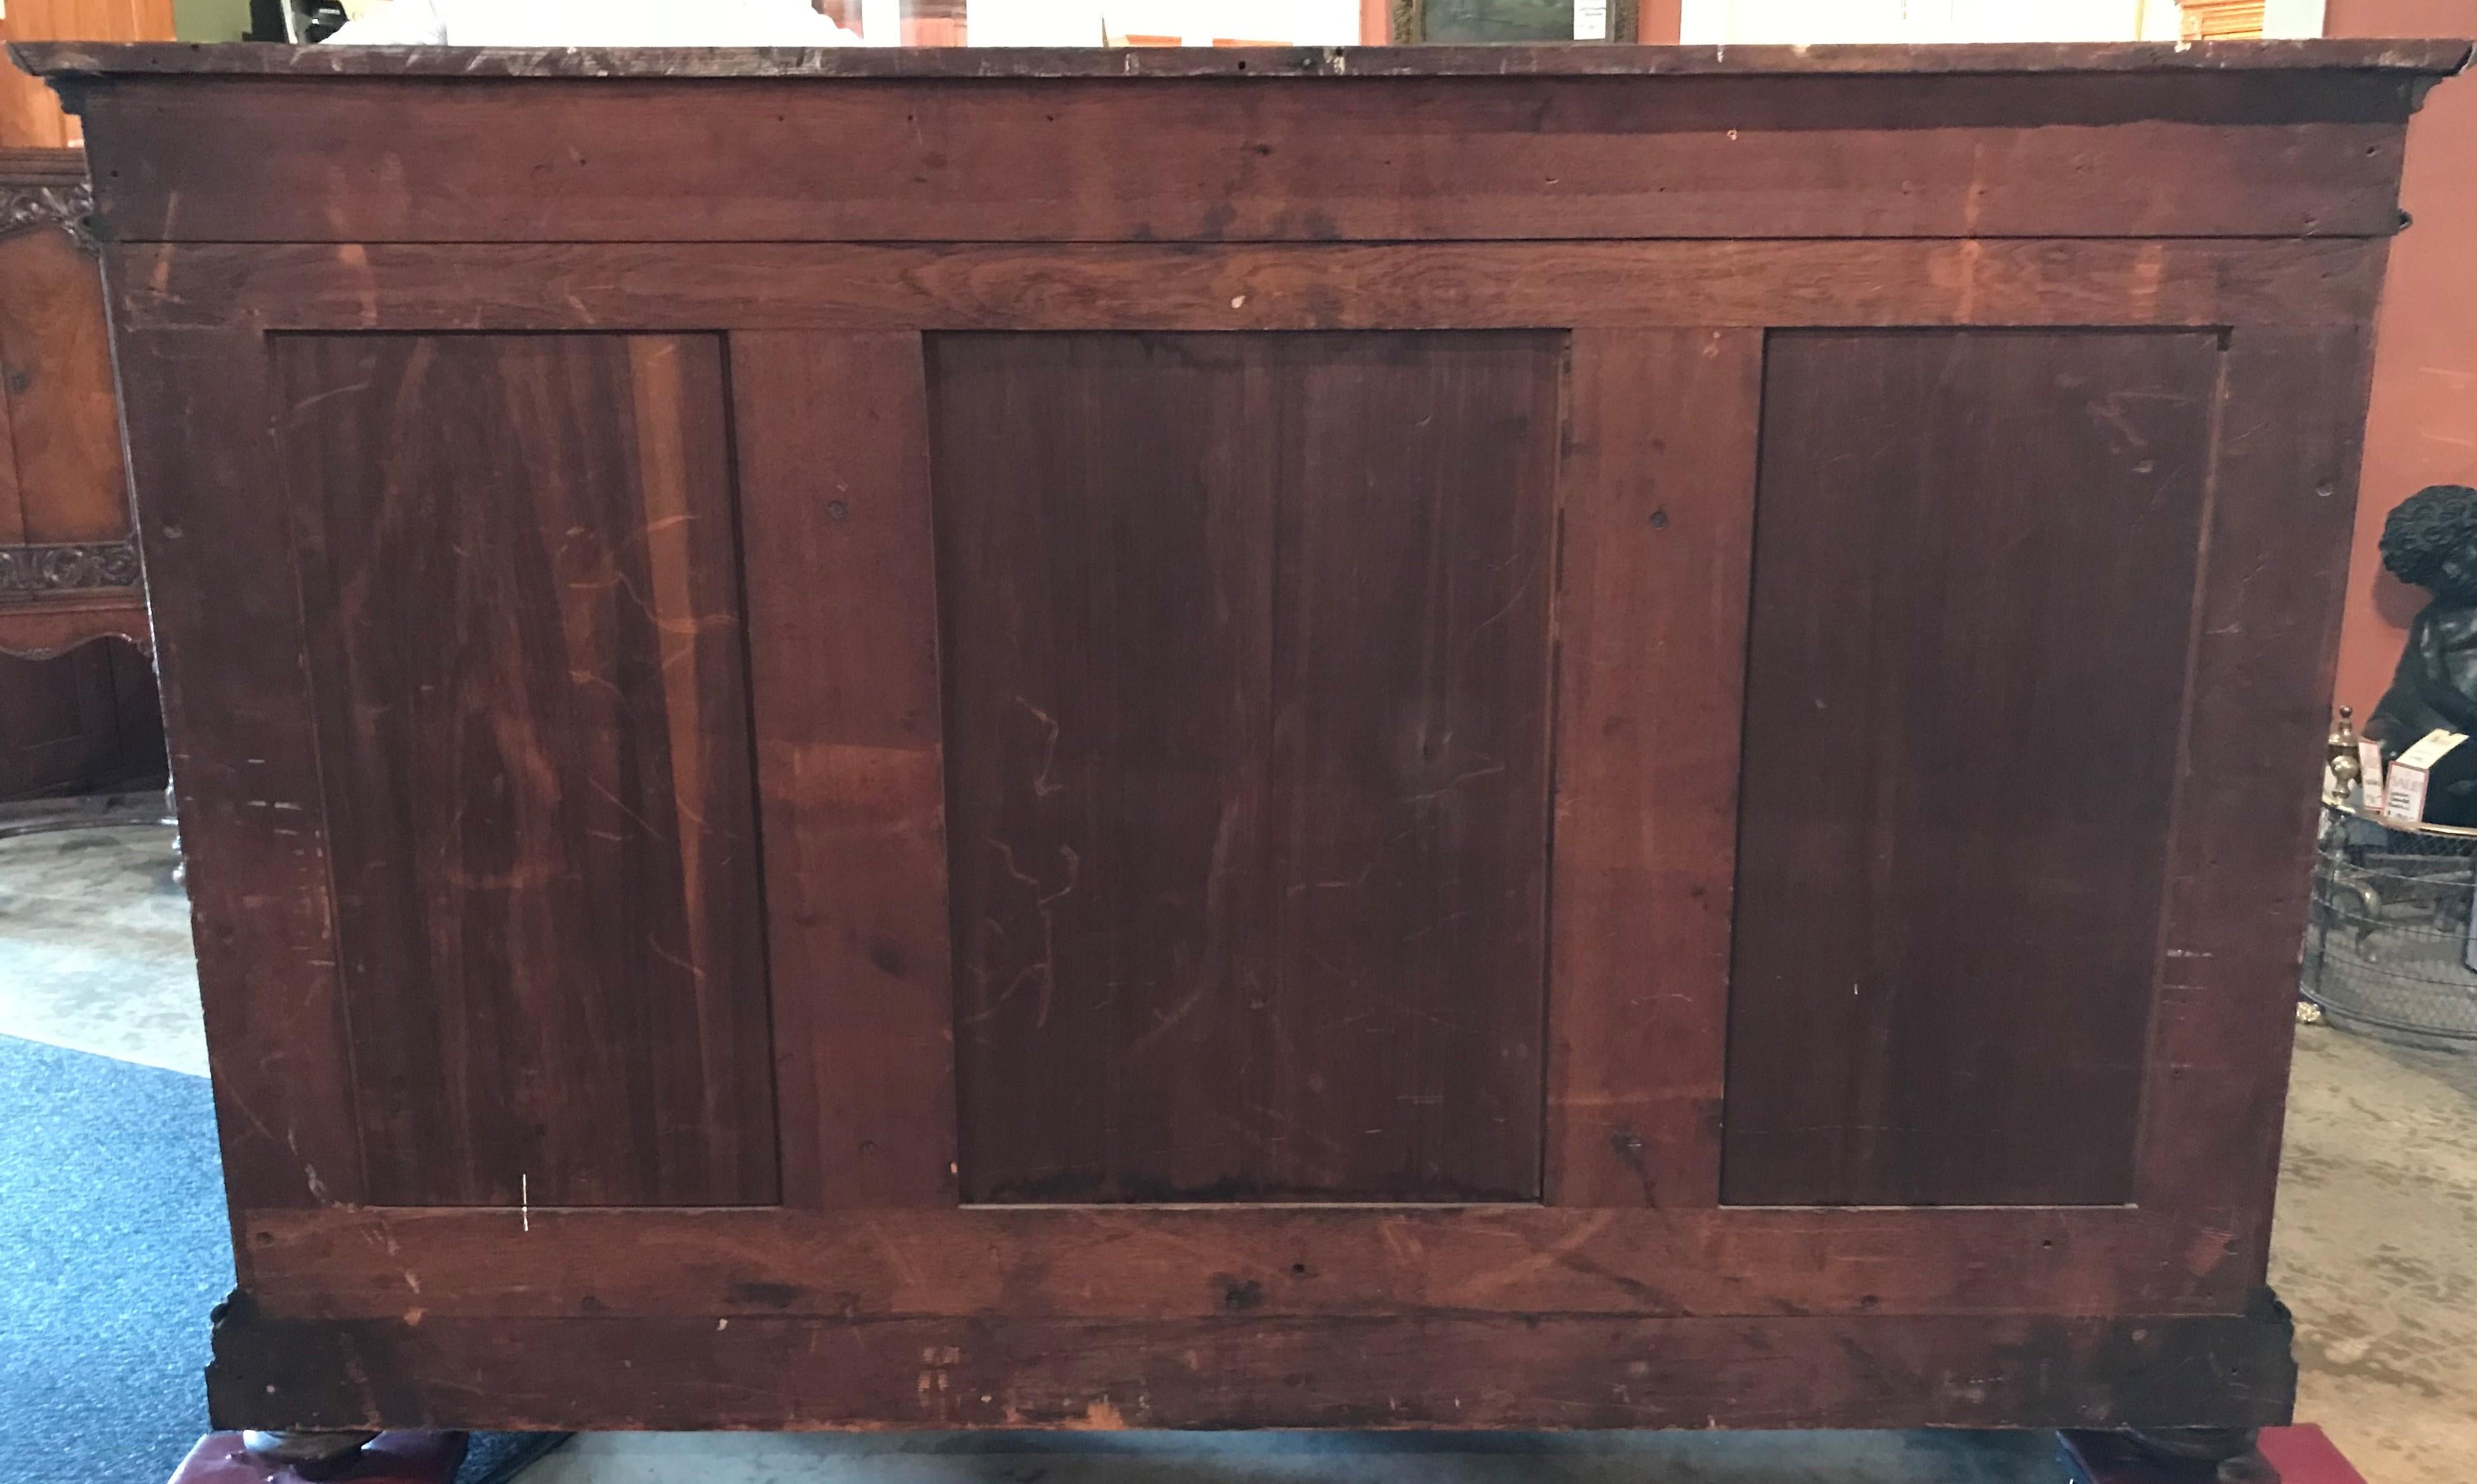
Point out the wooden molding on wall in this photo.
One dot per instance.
(29, 116)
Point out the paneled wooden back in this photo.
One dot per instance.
(1631, 746)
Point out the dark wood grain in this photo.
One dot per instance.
(1246, 687)
(83, 722)
(834, 470)
(2265, 643)
(1651, 638)
(2227, 154)
(1180, 1262)
(533, 727)
(218, 542)
(1974, 567)
(1481, 286)
(1239, 1373)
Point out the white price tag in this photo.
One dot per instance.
(1591, 21)
(2404, 791)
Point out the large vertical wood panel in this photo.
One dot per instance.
(834, 470)
(533, 730)
(1247, 670)
(1658, 513)
(1975, 557)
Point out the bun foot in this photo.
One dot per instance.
(2167, 1455)
(323, 1458)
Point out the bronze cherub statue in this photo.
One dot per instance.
(2431, 541)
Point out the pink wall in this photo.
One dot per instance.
(2422, 428)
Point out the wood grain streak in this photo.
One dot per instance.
(1651, 634)
(834, 462)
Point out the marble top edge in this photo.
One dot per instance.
(69, 58)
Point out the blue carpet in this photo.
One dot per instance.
(113, 1248)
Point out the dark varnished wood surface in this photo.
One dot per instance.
(2264, 642)
(1202, 1261)
(244, 766)
(842, 578)
(1974, 567)
(1328, 1372)
(2275, 154)
(1651, 634)
(1245, 646)
(80, 723)
(532, 728)
(1647, 284)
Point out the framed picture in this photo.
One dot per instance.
(1476, 21)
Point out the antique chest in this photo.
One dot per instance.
(1542, 737)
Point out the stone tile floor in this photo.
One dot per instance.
(2376, 1252)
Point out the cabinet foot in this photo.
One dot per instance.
(311, 1457)
(2168, 1456)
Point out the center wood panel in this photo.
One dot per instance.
(1975, 557)
(1246, 667)
(531, 704)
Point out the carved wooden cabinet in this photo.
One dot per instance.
(1538, 738)
(68, 562)
(68, 559)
